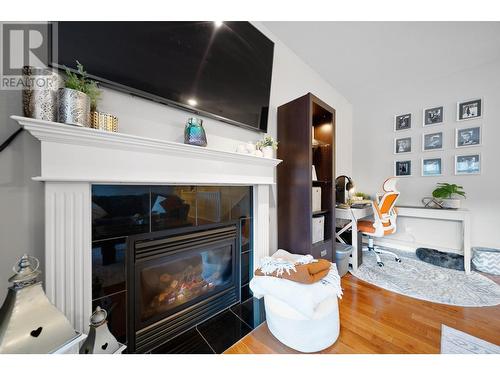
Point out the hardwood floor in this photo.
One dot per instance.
(374, 320)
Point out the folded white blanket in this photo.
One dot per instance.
(304, 298)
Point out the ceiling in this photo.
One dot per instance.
(360, 57)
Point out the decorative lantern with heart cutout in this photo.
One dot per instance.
(99, 340)
(29, 323)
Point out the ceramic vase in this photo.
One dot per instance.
(451, 203)
(74, 107)
(268, 152)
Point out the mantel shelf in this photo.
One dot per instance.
(72, 153)
(62, 133)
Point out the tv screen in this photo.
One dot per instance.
(217, 69)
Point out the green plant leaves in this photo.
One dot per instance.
(446, 190)
(80, 82)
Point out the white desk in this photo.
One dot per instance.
(460, 215)
(352, 214)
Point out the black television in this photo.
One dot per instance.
(220, 70)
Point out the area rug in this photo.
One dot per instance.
(457, 342)
(424, 281)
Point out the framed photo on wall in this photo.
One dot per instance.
(402, 168)
(468, 164)
(432, 167)
(470, 109)
(433, 116)
(402, 145)
(402, 122)
(468, 137)
(432, 141)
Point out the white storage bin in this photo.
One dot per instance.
(318, 228)
(316, 199)
(486, 260)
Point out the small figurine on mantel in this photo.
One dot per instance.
(100, 340)
(29, 323)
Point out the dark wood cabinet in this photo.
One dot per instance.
(306, 134)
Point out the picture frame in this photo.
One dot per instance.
(433, 141)
(468, 137)
(402, 145)
(470, 109)
(403, 168)
(468, 164)
(402, 122)
(433, 116)
(432, 167)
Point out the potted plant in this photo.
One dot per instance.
(77, 98)
(448, 194)
(268, 145)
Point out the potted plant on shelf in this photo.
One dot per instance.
(76, 99)
(448, 194)
(267, 145)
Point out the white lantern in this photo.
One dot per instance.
(29, 323)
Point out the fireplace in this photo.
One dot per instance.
(179, 278)
(85, 264)
(167, 257)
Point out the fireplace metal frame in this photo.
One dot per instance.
(142, 338)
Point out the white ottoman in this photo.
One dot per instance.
(299, 332)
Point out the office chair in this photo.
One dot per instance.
(385, 215)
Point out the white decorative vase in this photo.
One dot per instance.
(451, 203)
(268, 152)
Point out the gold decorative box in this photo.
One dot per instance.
(103, 121)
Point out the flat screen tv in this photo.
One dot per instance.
(216, 69)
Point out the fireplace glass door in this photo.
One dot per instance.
(181, 270)
(180, 280)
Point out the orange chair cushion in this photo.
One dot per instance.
(366, 226)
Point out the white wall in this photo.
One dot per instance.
(21, 200)
(373, 152)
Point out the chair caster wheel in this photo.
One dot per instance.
(398, 260)
(380, 264)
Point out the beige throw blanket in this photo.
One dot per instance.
(306, 270)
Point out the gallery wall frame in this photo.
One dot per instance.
(470, 109)
(403, 145)
(474, 167)
(470, 136)
(403, 168)
(433, 141)
(432, 116)
(426, 168)
(402, 122)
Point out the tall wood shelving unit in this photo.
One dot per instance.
(306, 132)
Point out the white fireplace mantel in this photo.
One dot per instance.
(74, 158)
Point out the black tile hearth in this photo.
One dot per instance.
(190, 342)
(252, 312)
(223, 330)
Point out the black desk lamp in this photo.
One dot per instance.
(343, 187)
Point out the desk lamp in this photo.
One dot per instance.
(344, 187)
